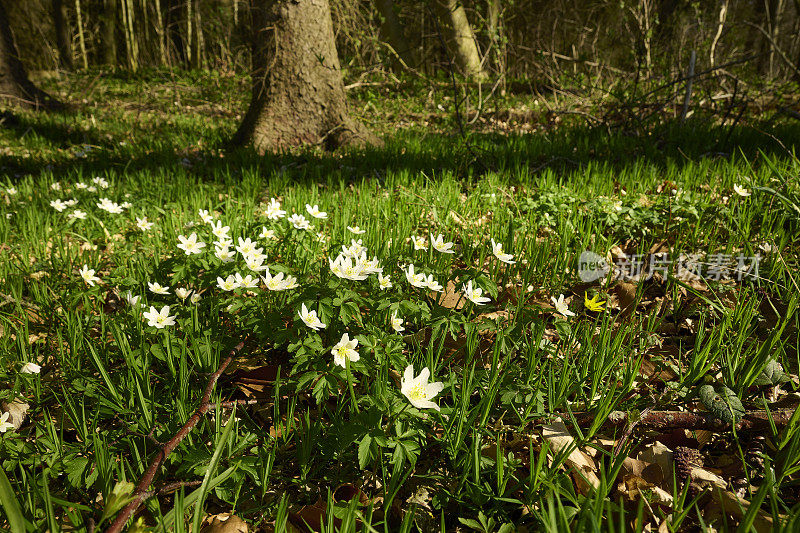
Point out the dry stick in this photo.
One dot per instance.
(775, 47)
(688, 96)
(141, 493)
(665, 420)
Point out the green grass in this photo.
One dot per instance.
(111, 387)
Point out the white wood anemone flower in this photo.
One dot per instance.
(310, 318)
(497, 250)
(315, 212)
(440, 246)
(190, 245)
(417, 389)
(345, 350)
(273, 210)
(159, 319)
(5, 425)
(397, 323)
(30, 368)
(561, 306)
(88, 275)
(473, 294)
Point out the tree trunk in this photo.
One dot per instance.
(494, 25)
(108, 37)
(393, 33)
(80, 34)
(15, 87)
(63, 40)
(458, 34)
(174, 23)
(797, 36)
(298, 93)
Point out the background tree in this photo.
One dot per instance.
(459, 36)
(298, 93)
(15, 86)
(394, 34)
(62, 34)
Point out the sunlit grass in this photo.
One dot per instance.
(111, 387)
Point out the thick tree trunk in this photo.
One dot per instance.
(298, 93)
(108, 34)
(393, 33)
(62, 34)
(15, 87)
(458, 34)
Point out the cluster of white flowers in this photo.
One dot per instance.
(61, 205)
(355, 268)
(299, 222)
(421, 281)
(112, 207)
(278, 282)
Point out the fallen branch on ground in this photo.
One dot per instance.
(665, 420)
(141, 493)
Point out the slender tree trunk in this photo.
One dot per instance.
(108, 37)
(80, 34)
(723, 12)
(162, 50)
(393, 33)
(131, 43)
(775, 16)
(494, 19)
(15, 87)
(173, 26)
(63, 41)
(189, 45)
(458, 34)
(198, 47)
(298, 94)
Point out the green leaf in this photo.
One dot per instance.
(16, 521)
(75, 469)
(206, 485)
(470, 523)
(121, 495)
(772, 374)
(364, 448)
(722, 402)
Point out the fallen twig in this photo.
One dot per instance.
(665, 420)
(141, 493)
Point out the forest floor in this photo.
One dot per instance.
(606, 319)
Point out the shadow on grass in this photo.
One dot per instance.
(521, 157)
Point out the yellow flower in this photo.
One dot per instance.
(591, 303)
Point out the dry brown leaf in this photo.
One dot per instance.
(224, 523)
(633, 485)
(662, 458)
(559, 439)
(451, 297)
(703, 476)
(737, 506)
(16, 412)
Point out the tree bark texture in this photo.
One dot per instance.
(15, 87)
(298, 94)
(108, 25)
(393, 33)
(459, 37)
(61, 28)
